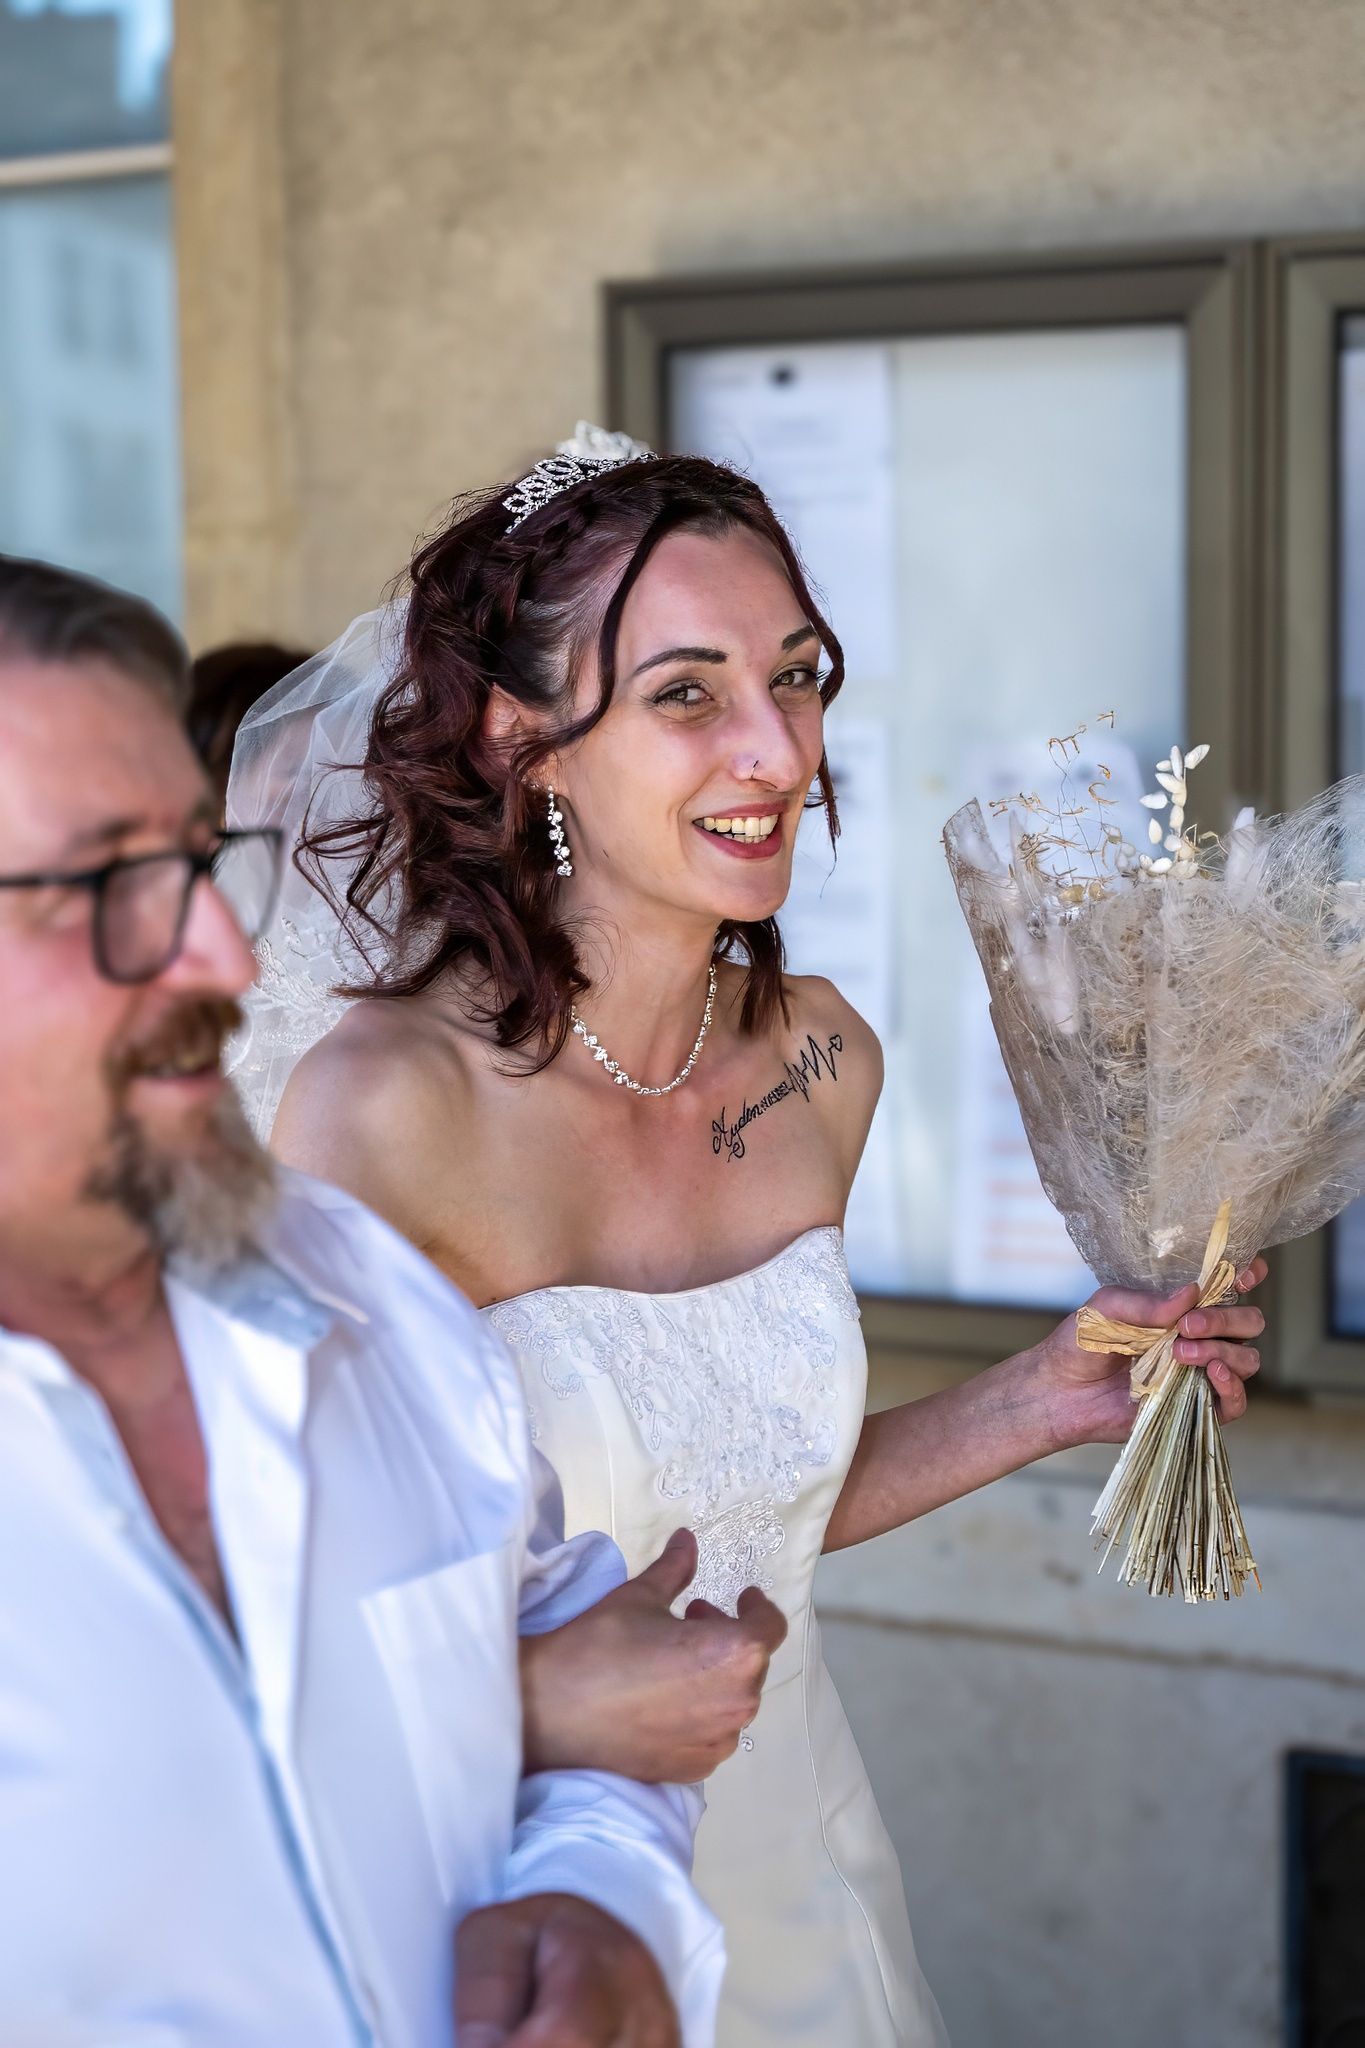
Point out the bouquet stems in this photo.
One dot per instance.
(1173, 1485)
(1172, 1489)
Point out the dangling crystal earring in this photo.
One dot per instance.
(559, 845)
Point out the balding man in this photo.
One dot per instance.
(268, 1518)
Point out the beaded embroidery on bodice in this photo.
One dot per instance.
(730, 1385)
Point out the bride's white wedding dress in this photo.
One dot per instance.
(735, 1409)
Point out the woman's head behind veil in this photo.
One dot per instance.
(420, 847)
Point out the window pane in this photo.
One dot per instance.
(997, 525)
(1351, 499)
(1348, 1233)
(89, 457)
(82, 74)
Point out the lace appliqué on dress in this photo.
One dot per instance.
(730, 1553)
(729, 1385)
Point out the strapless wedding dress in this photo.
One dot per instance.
(735, 1409)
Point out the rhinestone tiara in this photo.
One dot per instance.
(591, 451)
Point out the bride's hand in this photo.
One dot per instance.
(628, 1687)
(1088, 1390)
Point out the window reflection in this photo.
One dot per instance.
(997, 524)
(1351, 546)
(82, 74)
(1348, 1232)
(89, 458)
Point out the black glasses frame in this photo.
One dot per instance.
(197, 867)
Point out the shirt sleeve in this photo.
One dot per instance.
(561, 1578)
(627, 1848)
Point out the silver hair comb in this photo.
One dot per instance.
(591, 451)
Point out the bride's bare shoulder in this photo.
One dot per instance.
(363, 1106)
(827, 1035)
(817, 1010)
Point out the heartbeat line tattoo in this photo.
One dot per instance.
(796, 1080)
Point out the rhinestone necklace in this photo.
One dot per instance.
(619, 1074)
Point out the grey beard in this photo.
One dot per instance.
(207, 1207)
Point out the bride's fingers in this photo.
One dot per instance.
(1229, 1385)
(1158, 1312)
(1229, 1366)
(1235, 1323)
(1147, 1311)
(1221, 1358)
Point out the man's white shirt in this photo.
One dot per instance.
(266, 1841)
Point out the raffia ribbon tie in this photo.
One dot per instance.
(1154, 1350)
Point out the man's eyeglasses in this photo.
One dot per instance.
(142, 904)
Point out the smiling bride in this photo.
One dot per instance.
(545, 811)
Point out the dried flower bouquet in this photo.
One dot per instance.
(1183, 1030)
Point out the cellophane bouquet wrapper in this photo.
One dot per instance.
(1185, 1039)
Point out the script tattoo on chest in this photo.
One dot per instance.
(797, 1079)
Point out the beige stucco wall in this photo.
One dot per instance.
(418, 265)
(241, 554)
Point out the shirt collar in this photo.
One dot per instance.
(254, 1290)
(34, 1358)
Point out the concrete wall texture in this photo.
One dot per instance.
(1086, 1786)
(394, 224)
(1090, 1842)
(455, 181)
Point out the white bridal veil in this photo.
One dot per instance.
(298, 755)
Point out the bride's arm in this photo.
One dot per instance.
(916, 1457)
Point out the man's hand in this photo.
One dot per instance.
(1089, 1389)
(627, 1687)
(553, 1971)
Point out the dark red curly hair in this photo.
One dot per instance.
(457, 838)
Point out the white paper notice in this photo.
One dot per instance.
(1009, 1243)
(813, 427)
(838, 921)
(994, 523)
